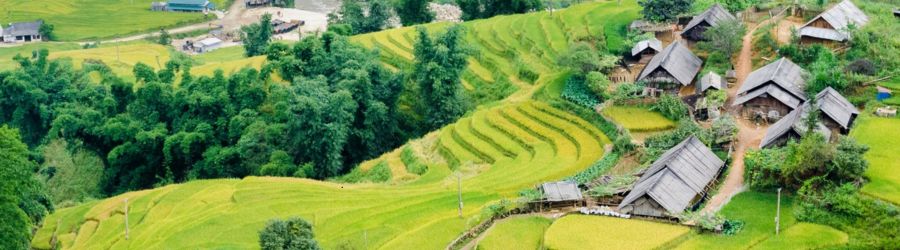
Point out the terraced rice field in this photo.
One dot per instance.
(884, 161)
(638, 119)
(497, 151)
(89, 19)
(601, 232)
(515, 233)
(505, 43)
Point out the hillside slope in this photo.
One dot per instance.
(421, 214)
(498, 150)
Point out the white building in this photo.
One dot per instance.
(207, 45)
(21, 32)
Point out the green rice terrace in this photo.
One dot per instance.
(539, 143)
(549, 148)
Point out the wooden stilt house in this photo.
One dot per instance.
(773, 90)
(693, 31)
(832, 25)
(675, 67)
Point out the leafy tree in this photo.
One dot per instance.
(664, 11)
(478, 9)
(46, 31)
(439, 64)
(257, 36)
(291, 234)
(23, 202)
(671, 107)
(379, 13)
(598, 83)
(583, 58)
(283, 3)
(412, 12)
(724, 38)
(164, 37)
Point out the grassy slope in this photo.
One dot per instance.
(516, 233)
(420, 214)
(638, 119)
(600, 232)
(502, 41)
(757, 211)
(884, 161)
(88, 19)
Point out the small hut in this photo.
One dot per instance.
(207, 45)
(711, 17)
(280, 27)
(560, 193)
(646, 49)
(838, 114)
(676, 181)
(675, 67)
(773, 90)
(792, 126)
(710, 81)
(897, 12)
(158, 6)
(832, 25)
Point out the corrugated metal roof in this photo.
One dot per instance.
(834, 105)
(793, 122)
(210, 41)
(783, 72)
(840, 16)
(822, 33)
(652, 43)
(712, 16)
(677, 176)
(710, 80)
(676, 59)
(561, 191)
(23, 28)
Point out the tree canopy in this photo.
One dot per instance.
(256, 36)
(664, 11)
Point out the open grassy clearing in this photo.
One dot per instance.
(504, 46)
(91, 19)
(757, 211)
(601, 232)
(884, 159)
(516, 233)
(805, 236)
(415, 214)
(638, 119)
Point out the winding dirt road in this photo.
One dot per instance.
(749, 133)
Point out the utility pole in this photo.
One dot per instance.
(126, 218)
(366, 238)
(459, 192)
(778, 213)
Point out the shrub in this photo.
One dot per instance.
(413, 165)
(596, 170)
(525, 71)
(706, 221)
(379, 173)
(763, 168)
(627, 91)
(499, 89)
(862, 66)
(293, 233)
(598, 83)
(671, 107)
(617, 183)
(871, 223)
(575, 91)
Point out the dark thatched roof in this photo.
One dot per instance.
(561, 191)
(676, 59)
(835, 106)
(711, 16)
(781, 79)
(839, 16)
(651, 43)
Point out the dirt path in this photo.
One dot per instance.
(749, 133)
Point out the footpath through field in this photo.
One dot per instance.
(749, 133)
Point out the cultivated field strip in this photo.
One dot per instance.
(402, 214)
(503, 44)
